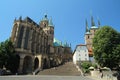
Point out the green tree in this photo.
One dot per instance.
(8, 57)
(106, 47)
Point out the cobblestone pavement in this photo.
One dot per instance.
(44, 77)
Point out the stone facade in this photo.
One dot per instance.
(34, 44)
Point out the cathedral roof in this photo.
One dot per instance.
(59, 43)
(28, 19)
(94, 27)
(88, 32)
(45, 18)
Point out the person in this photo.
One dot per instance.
(101, 73)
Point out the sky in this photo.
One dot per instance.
(68, 16)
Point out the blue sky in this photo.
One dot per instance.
(68, 16)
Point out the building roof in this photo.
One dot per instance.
(45, 18)
(80, 46)
(28, 19)
(94, 27)
(59, 43)
(87, 33)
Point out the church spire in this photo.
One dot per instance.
(98, 23)
(15, 19)
(20, 18)
(92, 21)
(87, 29)
(50, 22)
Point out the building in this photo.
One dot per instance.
(63, 50)
(89, 35)
(34, 44)
(80, 54)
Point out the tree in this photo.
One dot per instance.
(106, 47)
(8, 57)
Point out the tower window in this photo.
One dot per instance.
(88, 37)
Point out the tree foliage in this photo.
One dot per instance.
(8, 57)
(85, 66)
(106, 47)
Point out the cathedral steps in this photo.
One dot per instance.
(67, 69)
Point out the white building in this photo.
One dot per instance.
(80, 54)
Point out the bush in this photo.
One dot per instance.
(85, 66)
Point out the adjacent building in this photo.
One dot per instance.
(89, 35)
(80, 54)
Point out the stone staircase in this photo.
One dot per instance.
(67, 69)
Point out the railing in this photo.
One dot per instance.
(36, 71)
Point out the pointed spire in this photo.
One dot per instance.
(15, 19)
(98, 23)
(87, 29)
(92, 21)
(20, 18)
(70, 44)
(61, 43)
(50, 22)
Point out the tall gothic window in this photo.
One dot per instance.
(20, 37)
(26, 38)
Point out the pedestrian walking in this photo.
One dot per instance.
(101, 73)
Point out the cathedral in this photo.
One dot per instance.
(35, 45)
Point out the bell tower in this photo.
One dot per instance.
(88, 36)
(48, 27)
(44, 22)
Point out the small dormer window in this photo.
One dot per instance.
(44, 25)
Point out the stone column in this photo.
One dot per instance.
(21, 63)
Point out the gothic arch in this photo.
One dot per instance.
(17, 62)
(45, 65)
(27, 65)
(36, 63)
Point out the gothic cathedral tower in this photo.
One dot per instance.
(48, 28)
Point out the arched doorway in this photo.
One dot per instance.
(36, 63)
(27, 65)
(45, 66)
(17, 62)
